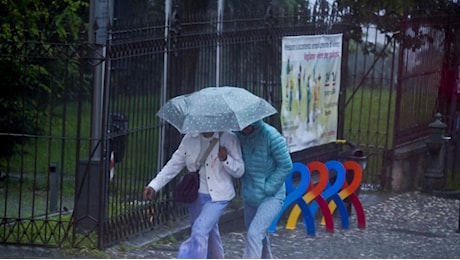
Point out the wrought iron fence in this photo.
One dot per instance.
(46, 104)
(65, 187)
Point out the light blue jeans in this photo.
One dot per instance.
(257, 221)
(204, 242)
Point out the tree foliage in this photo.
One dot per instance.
(30, 31)
(389, 15)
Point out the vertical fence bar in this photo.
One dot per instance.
(161, 143)
(220, 17)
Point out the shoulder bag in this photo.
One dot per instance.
(186, 190)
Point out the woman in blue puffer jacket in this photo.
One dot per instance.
(267, 164)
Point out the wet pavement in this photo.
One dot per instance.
(406, 225)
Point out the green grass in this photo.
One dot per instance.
(27, 184)
(59, 143)
(56, 145)
(453, 183)
(368, 122)
(25, 199)
(370, 116)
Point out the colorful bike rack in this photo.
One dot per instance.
(307, 197)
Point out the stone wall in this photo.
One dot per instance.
(406, 168)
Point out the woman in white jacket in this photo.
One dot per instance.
(223, 163)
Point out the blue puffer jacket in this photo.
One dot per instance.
(267, 164)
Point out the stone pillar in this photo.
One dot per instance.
(434, 178)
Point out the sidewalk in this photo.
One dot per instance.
(407, 225)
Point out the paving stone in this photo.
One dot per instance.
(407, 225)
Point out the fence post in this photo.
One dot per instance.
(434, 178)
(53, 187)
(90, 203)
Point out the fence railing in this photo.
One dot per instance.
(56, 192)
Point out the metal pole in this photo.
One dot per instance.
(220, 16)
(168, 7)
(458, 227)
(91, 182)
(446, 155)
(456, 153)
(101, 13)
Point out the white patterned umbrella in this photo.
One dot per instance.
(215, 109)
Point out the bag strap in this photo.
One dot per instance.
(206, 153)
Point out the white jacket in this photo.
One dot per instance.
(220, 182)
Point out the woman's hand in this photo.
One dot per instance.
(149, 193)
(222, 153)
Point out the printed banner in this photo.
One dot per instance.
(310, 82)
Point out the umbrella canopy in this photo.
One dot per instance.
(215, 109)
